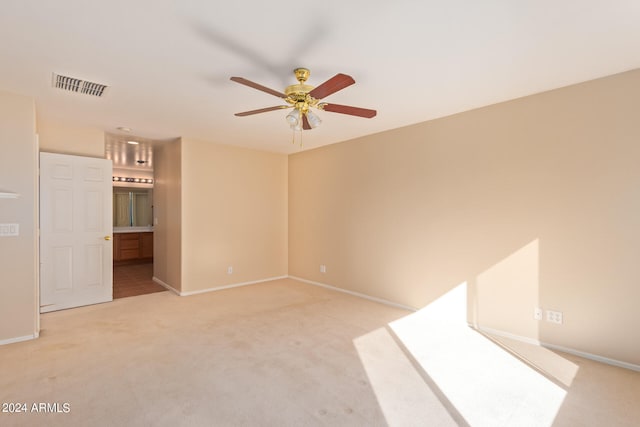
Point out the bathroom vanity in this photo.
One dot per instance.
(132, 244)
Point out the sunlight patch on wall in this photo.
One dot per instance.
(507, 293)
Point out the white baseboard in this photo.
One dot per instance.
(217, 288)
(356, 294)
(19, 339)
(584, 354)
(509, 335)
(165, 285)
(602, 359)
(233, 285)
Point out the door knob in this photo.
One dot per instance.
(107, 237)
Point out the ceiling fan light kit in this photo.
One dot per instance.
(313, 118)
(293, 118)
(302, 97)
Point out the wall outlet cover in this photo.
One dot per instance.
(537, 313)
(554, 317)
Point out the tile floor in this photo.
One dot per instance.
(132, 280)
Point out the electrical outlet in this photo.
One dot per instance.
(323, 268)
(554, 317)
(230, 270)
(537, 313)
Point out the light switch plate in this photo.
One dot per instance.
(8, 230)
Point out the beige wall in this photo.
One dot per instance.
(18, 162)
(66, 139)
(533, 202)
(167, 198)
(234, 206)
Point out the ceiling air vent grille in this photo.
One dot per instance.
(79, 86)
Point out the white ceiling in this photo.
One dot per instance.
(167, 62)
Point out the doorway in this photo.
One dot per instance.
(133, 233)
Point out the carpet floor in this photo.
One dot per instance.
(278, 353)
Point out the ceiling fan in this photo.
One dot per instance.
(302, 97)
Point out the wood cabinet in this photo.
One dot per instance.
(146, 245)
(132, 247)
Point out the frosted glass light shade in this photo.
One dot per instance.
(293, 118)
(314, 120)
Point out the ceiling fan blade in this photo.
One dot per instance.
(261, 110)
(334, 84)
(352, 111)
(305, 122)
(254, 85)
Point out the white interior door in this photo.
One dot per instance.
(76, 252)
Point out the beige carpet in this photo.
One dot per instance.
(280, 353)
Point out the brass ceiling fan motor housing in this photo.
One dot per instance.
(298, 94)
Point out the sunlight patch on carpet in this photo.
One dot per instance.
(403, 396)
(486, 384)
